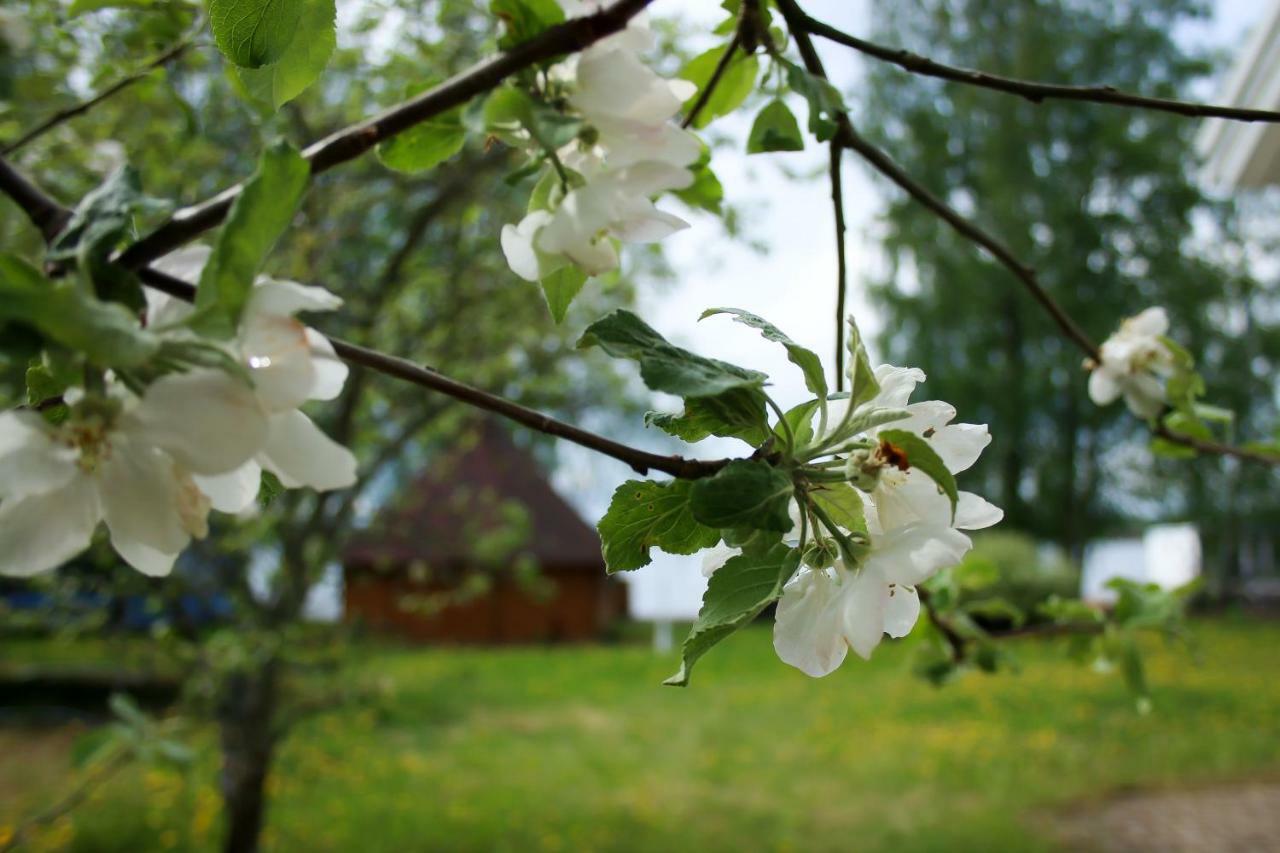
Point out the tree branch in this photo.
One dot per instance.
(837, 203)
(714, 80)
(1029, 89)
(44, 212)
(84, 106)
(352, 141)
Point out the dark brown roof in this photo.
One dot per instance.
(488, 502)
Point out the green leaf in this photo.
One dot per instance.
(106, 332)
(425, 145)
(805, 359)
(800, 419)
(734, 414)
(81, 7)
(843, 504)
(644, 514)
(733, 87)
(706, 192)
(560, 288)
(663, 366)
(920, 454)
(254, 33)
(269, 488)
(863, 384)
(775, 129)
(1135, 671)
(735, 595)
(525, 19)
(996, 609)
(744, 493)
(976, 573)
(302, 62)
(258, 217)
(825, 101)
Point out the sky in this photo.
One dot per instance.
(792, 285)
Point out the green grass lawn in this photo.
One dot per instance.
(581, 749)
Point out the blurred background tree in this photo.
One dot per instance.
(1104, 204)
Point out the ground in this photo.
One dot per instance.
(581, 749)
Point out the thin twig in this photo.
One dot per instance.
(101, 773)
(1031, 90)
(640, 460)
(714, 80)
(352, 141)
(84, 106)
(842, 273)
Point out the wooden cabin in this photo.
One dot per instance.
(480, 549)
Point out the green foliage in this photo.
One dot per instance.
(739, 413)
(560, 288)
(737, 592)
(254, 33)
(425, 145)
(805, 359)
(745, 493)
(524, 19)
(775, 129)
(302, 62)
(258, 217)
(1009, 566)
(644, 514)
(921, 455)
(825, 102)
(843, 504)
(735, 84)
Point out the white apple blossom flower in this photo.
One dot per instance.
(1133, 360)
(130, 462)
(825, 612)
(289, 364)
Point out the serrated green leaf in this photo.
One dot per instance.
(560, 288)
(733, 87)
(425, 145)
(825, 101)
(775, 129)
(258, 218)
(863, 384)
(663, 366)
(805, 359)
(843, 504)
(735, 595)
(302, 62)
(734, 414)
(254, 33)
(800, 419)
(706, 192)
(107, 333)
(644, 514)
(744, 493)
(921, 455)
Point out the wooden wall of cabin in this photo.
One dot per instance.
(580, 609)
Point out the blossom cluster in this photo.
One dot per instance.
(849, 601)
(1133, 363)
(152, 464)
(629, 152)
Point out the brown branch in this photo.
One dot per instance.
(958, 644)
(714, 80)
(842, 274)
(352, 141)
(1212, 447)
(1031, 90)
(84, 106)
(44, 212)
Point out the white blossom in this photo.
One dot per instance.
(1133, 360)
(130, 462)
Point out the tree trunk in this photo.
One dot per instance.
(246, 711)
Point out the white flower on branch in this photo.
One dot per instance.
(289, 364)
(1133, 362)
(133, 463)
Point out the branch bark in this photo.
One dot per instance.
(1031, 90)
(842, 274)
(351, 142)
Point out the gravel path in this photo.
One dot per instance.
(1237, 819)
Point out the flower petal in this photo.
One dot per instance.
(330, 371)
(862, 612)
(301, 455)
(234, 491)
(281, 298)
(807, 631)
(186, 263)
(960, 445)
(31, 462)
(207, 420)
(901, 610)
(144, 558)
(278, 353)
(140, 498)
(1144, 395)
(912, 554)
(896, 385)
(43, 531)
(974, 512)
(1103, 386)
